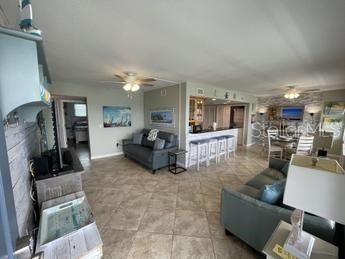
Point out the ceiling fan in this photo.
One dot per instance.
(292, 92)
(131, 82)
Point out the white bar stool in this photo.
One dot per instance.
(221, 148)
(231, 145)
(201, 154)
(213, 150)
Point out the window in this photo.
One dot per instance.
(80, 109)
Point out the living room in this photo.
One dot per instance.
(159, 130)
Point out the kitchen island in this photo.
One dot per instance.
(207, 134)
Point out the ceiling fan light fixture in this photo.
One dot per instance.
(291, 94)
(135, 87)
(127, 87)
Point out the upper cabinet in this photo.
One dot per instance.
(196, 110)
(24, 74)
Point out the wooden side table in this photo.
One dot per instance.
(321, 249)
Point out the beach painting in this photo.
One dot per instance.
(162, 117)
(117, 116)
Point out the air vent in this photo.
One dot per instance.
(200, 91)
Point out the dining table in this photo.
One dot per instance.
(284, 142)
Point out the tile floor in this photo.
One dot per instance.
(141, 215)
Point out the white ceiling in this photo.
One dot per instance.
(249, 45)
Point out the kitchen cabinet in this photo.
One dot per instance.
(210, 116)
(196, 110)
(223, 116)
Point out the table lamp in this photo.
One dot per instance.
(314, 185)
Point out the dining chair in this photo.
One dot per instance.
(273, 132)
(269, 149)
(304, 147)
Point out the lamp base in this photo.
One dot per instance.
(300, 247)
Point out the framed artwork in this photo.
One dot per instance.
(334, 108)
(117, 116)
(162, 117)
(334, 125)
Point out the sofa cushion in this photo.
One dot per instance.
(285, 169)
(273, 193)
(137, 138)
(260, 180)
(169, 144)
(273, 173)
(139, 152)
(147, 143)
(248, 190)
(145, 132)
(169, 137)
(159, 144)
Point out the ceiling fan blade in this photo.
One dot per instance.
(120, 77)
(112, 82)
(146, 85)
(311, 91)
(147, 79)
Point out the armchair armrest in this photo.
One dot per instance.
(127, 141)
(254, 221)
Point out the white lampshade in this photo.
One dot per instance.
(127, 87)
(318, 189)
(135, 87)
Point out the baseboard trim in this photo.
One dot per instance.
(107, 155)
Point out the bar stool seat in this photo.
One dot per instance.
(201, 154)
(230, 145)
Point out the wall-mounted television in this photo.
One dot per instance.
(292, 113)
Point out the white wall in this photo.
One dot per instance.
(154, 100)
(103, 140)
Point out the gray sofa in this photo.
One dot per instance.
(144, 152)
(253, 220)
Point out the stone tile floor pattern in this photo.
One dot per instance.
(141, 215)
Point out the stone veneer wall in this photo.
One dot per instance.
(312, 102)
(23, 142)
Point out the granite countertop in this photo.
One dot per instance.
(211, 130)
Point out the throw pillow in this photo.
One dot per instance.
(153, 135)
(148, 143)
(137, 138)
(159, 144)
(273, 193)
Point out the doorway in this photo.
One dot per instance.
(74, 126)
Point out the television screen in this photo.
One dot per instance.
(292, 113)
